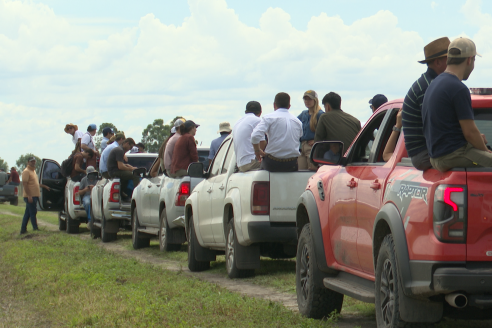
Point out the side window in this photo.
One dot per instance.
(385, 135)
(227, 161)
(51, 171)
(365, 142)
(218, 159)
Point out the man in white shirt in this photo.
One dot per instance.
(73, 130)
(103, 167)
(87, 142)
(284, 131)
(241, 134)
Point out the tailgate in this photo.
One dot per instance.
(285, 190)
(479, 227)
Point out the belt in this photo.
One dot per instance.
(281, 159)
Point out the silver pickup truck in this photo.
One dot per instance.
(8, 193)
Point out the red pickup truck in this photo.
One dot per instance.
(417, 244)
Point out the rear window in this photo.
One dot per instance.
(483, 120)
(141, 162)
(203, 158)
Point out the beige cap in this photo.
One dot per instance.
(465, 46)
(224, 127)
(311, 94)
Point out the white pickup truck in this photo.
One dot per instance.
(158, 208)
(108, 212)
(61, 197)
(244, 215)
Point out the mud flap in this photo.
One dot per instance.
(203, 254)
(112, 226)
(247, 257)
(414, 310)
(177, 236)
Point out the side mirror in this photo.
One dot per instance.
(327, 152)
(140, 172)
(195, 170)
(94, 176)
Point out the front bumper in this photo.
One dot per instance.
(272, 232)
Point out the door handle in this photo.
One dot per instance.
(157, 185)
(375, 185)
(352, 183)
(221, 187)
(209, 190)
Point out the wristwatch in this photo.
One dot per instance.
(396, 129)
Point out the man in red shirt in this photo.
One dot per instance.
(185, 151)
(14, 177)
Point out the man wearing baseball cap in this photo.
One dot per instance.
(377, 101)
(224, 130)
(87, 142)
(107, 134)
(185, 151)
(169, 150)
(452, 138)
(436, 55)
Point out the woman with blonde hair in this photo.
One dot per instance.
(309, 119)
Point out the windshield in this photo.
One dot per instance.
(141, 162)
(483, 120)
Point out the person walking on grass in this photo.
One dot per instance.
(31, 194)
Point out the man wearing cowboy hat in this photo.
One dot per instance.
(73, 130)
(224, 130)
(435, 57)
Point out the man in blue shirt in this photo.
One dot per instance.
(452, 138)
(103, 168)
(224, 130)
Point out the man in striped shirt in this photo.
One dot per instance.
(435, 57)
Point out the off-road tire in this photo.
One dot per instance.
(95, 231)
(14, 202)
(106, 237)
(231, 255)
(164, 235)
(137, 240)
(313, 298)
(193, 264)
(388, 288)
(62, 225)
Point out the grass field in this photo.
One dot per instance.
(52, 279)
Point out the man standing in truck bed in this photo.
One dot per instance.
(117, 167)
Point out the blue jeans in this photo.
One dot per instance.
(86, 201)
(30, 212)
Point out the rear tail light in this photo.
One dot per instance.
(16, 191)
(114, 193)
(183, 194)
(260, 198)
(450, 214)
(76, 197)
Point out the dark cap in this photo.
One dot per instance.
(32, 158)
(107, 130)
(91, 127)
(378, 100)
(140, 145)
(189, 124)
(253, 107)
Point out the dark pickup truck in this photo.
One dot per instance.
(8, 193)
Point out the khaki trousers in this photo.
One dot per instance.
(303, 161)
(180, 173)
(253, 166)
(169, 174)
(466, 156)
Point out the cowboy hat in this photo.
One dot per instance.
(436, 49)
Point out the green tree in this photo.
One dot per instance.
(99, 136)
(22, 162)
(4, 165)
(155, 134)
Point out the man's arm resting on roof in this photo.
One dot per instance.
(472, 134)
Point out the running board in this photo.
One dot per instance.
(150, 231)
(351, 285)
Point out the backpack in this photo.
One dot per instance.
(67, 167)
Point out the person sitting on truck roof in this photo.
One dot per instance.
(114, 142)
(74, 131)
(335, 124)
(224, 130)
(117, 167)
(185, 151)
(85, 188)
(436, 55)
(283, 131)
(452, 138)
(14, 177)
(243, 148)
(169, 151)
(107, 134)
(78, 171)
(309, 119)
(87, 142)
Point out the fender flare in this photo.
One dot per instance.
(307, 199)
(233, 199)
(390, 214)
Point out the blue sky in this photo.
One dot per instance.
(129, 62)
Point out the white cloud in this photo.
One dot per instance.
(56, 70)
(434, 5)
